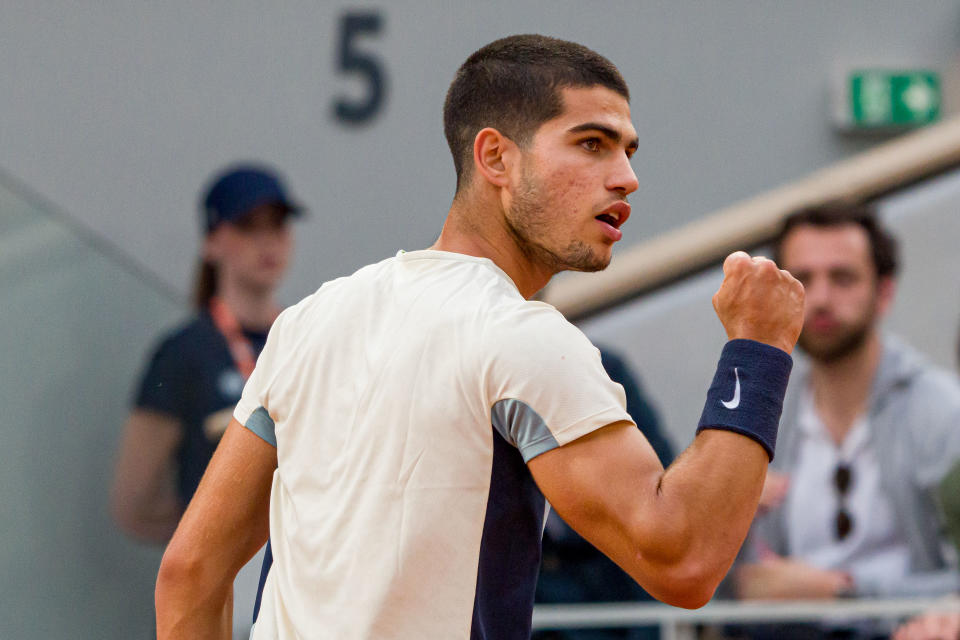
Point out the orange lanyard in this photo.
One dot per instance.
(240, 346)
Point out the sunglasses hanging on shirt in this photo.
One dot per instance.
(842, 480)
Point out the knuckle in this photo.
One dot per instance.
(767, 266)
(736, 263)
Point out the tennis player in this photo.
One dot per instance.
(405, 426)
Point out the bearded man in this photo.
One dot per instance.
(869, 429)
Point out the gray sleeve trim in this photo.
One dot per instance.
(262, 424)
(522, 427)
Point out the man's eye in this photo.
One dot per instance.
(844, 279)
(591, 145)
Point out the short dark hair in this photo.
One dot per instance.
(883, 245)
(513, 85)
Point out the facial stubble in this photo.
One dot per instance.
(530, 224)
(849, 341)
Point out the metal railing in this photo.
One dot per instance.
(681, 624)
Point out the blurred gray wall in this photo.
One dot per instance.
(118, 112)
(75, 324)
(113, 115)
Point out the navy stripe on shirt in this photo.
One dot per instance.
(509, 549)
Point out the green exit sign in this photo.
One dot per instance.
(883, 99)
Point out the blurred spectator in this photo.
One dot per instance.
(573, 570)
(869, 430)
(934, 626)
(940, 624)
(196, 374)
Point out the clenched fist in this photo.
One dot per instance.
(758, 301)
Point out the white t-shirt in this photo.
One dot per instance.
(404, 401)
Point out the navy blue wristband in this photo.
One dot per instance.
(746, 395)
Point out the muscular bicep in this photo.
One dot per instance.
(675, 531)
(224, 525)
(601, 484)
(229, 512)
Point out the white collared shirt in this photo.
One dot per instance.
(874, 549)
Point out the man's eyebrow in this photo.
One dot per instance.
(613, 134)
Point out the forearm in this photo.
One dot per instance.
(678, 531)
(707, 499)
(755, 581)
(194, 592)
(144, 497)
(155, 527)
(186, 610)
(152, 517)
(763, 581)
(704, 502)
(786, 578)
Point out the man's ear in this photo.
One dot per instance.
(493, 156)
(886, 287)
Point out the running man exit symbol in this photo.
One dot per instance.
(893, 99)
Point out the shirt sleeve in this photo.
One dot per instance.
(253, 410)
(163, 386)
(545, 383)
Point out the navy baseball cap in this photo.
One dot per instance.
(241, 188)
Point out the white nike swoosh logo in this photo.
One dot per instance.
(733, 402)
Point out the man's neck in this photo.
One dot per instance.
(254, 310)
(841, 388)
(467, 230)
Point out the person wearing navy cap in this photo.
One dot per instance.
(196, 374)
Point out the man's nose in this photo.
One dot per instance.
(816, 292)
(623, 178)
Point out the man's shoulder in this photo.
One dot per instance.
(917, 402)
(354, 285)
(919, 406)
(528, 319)
(364, 273)
(534, 336)
(908, 371)
(425, 267)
